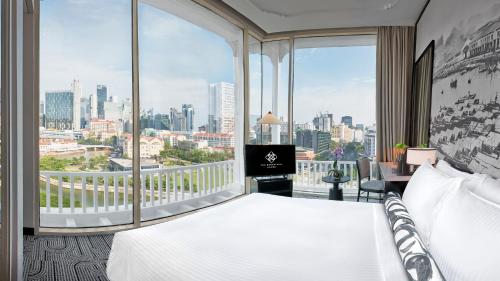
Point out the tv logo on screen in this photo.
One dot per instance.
(271, 157)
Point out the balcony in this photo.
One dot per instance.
(307, 180)
(95, 199)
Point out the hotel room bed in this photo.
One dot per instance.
(263, 237)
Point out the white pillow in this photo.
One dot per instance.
(465, 238)
(423, 195)
(446, 168)
(488, 189)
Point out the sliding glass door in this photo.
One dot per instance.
(333, 107)
(85, 113)
(191, 116)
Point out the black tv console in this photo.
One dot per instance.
(275, 185)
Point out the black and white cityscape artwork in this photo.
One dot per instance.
(465, 112)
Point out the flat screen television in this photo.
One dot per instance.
(269, 160)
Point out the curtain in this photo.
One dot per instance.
(394, 76)
(421, 98)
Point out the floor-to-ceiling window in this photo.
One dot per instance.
(85, 113)
(275, 72)
(191, 116)
(255, 99)
(333, 105)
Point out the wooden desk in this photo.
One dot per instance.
(393, 181)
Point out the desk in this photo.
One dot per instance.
(394, 182)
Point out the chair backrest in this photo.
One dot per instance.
(363, 165)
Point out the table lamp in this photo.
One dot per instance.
(419, 156)
(269, 119)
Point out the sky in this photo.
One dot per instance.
(89, 40)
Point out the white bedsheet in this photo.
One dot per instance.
(263, 237)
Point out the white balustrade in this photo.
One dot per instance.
(158, 187)
(309, 174)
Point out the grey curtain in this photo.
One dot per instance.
(421, 98)
(394, 75)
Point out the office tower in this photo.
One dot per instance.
(76, 88)
(161, 122)
(370, 143)
(188, 112)
(41, 114)
(84, 112)
(93, 106)
(323, 122)
(221, 107)
(347, 120)
(112, 110)
(102, 96)
(360, 127)
(59, 110)
(316, 140)
(177, 120)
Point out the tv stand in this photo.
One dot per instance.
(277, 185)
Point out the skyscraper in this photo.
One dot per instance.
(188, 112)
(59, 110)
(347, 120)
(177, 120)
(323, 122)
(93, 106)
(102, 96)
(84, 112)
(221, 107)
(76, 88)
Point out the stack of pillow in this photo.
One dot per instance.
(458, 218)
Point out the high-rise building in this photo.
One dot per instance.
(347, 120)
(42, 114)
(161, 122)
(177, 120)
(59, 110)
(92, 106)
(221, 107)
(84, 112)
(102, 96)
(76, 88)
(188, 112)
(316, 140)
(370, 143)
(112, 109)
(323, 122)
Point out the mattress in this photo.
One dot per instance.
(263, 237)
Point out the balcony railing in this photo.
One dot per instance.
(309, 174)
(87, 199)
(93, 199)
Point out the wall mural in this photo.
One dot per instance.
(465, 111)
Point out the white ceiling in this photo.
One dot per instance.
(286, 15)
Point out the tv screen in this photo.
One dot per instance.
(269, 160)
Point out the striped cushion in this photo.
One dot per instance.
(418, 262)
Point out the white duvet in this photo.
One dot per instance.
(263, 237)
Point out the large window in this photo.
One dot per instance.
(333, 104)
(191, 108)
(85, 113)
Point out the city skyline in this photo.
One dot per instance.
(171, 72)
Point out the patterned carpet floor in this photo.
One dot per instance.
(66, 258)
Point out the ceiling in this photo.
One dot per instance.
(287, 15)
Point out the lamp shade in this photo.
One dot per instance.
(270, 119)
(418, 156)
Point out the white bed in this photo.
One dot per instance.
(263, 237)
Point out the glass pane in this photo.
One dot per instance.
(191, 108)
(255, 76)
(275, 90)
(334, 107)
(85, 113)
